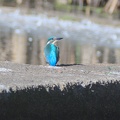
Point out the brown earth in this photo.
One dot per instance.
(23, 75)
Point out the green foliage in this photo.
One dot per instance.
(98, 10)
(63, 7)
(100, 101)
(8, 1)
(68, 17)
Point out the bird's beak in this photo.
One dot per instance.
(58, 38)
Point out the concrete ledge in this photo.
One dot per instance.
(23, 75)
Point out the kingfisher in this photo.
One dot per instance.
(51, 51)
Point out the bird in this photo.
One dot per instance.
(51, 51)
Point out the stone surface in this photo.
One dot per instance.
(24, 75)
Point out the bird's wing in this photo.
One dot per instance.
(52, 54)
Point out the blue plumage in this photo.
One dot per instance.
(51, 51)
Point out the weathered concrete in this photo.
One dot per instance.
(23, 75)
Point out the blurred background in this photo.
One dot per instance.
(90, 29)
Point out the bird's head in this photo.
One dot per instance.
(53, 39)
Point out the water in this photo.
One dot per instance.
(23, 37)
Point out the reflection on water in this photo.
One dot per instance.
(19, 47)
(23, 37)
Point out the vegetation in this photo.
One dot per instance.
(109, 6)
(100, 101)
